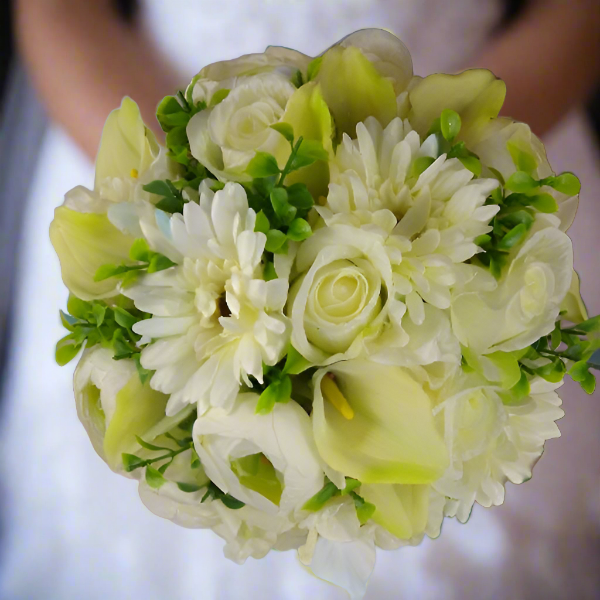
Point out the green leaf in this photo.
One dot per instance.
(513, 237)
(132, 462)
(283, 209)
(515, 217)
(351, 485)
(262, 165)
(188, 487)
(450, 124)
(195, 463)
(143, 374)
(435, 127)
(300, 197)
(120, 346)
(497, 175)
(78, 308)
(545, 203)
(154, 478)
(262, 223)
(420, 165)
(171, 205)
(524, 161)
(286, 130)
(566, 183)
(66, 350)
(313, 68)
(482, 240)
(171, 114)
(218, 97)
(69, 322)
(553, 372)
(124, 318)
(317, 502)
(590, 325)
(140, 250)
(279, 390)
(269, 272)
(308, 152)
(497, 195)
(555, 338)
(580, 372)
(275, 240)
(365, 511)
(152, 447)
(521, 182)
(297, 79)
(99, 311)
(231, 502)
(519, 391)
(471, 163)
(108, 271)
(159, 263)
(295, 363)
(299, 230)
(158, 187)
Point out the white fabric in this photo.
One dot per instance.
(74, 530)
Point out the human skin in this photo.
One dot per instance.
(549, 59)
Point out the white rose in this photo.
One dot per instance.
(526, 303)
(269, 462)
(225, 138)
(344, 294)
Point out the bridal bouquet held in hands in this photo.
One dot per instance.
(332, 311)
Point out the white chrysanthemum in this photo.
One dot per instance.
(430, 220)
(215, 320)
(490, 442)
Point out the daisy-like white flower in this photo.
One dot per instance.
(215, 320)
(491, 442)
(430, 217)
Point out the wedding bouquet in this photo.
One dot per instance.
(332, 311)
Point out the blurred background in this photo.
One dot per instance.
(69, 528)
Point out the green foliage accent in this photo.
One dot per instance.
(420, 165)
(295, 363)
(172, 198)
(521, 182)
(269, 272)
(364, 510)
(297, 79)
(188, 487)
(282, 210)
(450, 124)
(216, 494)
(140, 251)
(96, 322)
(524, 161)
(567, 350)
(218, 97)
(278, 390)
(313, 68)
(565, 183)
(154, 478)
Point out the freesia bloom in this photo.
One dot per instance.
(215, 319)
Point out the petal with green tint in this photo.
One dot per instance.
(382, 430)
(127, 144)
(354, 89)
(573, 305)
(476, 95)
(401, 509)
(309, 116)
(84, 242)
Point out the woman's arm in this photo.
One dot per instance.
(83, 59)
(549, 59)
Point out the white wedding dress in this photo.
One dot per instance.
(75, 531)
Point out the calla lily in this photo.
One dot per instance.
(308, 114)
(573, 303)
(401, 509)
(128, 147)
(374, 423)
(476, 95)
(114, 406)
(84, 242)
(354, 89)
